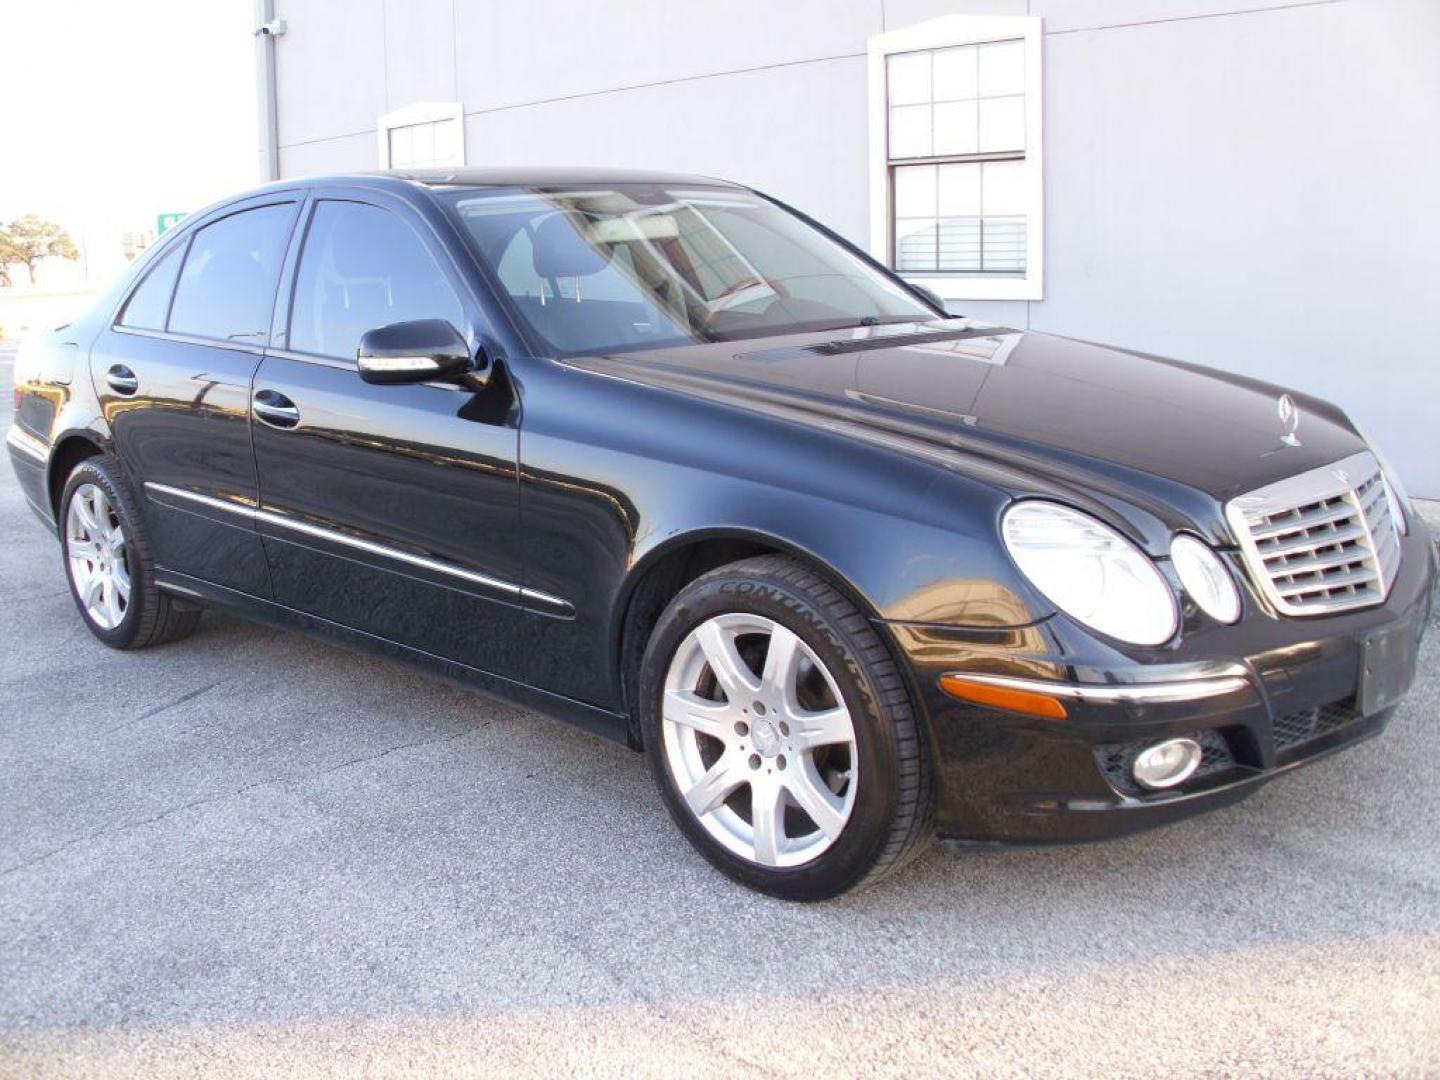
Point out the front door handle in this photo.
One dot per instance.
(122, 380)
(274, 408)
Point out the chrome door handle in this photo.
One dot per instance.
(275, 409)
(122, 380)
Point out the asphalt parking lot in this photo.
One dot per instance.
(249, 852)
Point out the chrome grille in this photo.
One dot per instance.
(1322, 541)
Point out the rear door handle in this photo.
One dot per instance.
(274, 408)
(122, 380)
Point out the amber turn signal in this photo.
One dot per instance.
(1002, 697)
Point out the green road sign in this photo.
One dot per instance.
(166, 221)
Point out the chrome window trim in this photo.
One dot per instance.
(1339, 479)
(1135, 693)
(190, 339)
(351, 366)
(27, 444)
(256, 515)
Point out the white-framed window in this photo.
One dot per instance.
(956, 180)
(428, 134)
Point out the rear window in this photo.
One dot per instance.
(227, 287)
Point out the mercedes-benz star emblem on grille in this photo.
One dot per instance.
(1289, 420)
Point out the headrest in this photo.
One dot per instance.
(560, 250)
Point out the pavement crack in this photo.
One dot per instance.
(362, 759)
(156, 710)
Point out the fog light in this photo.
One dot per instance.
(1166, 763)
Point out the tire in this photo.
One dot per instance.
(772, 794)
(97, 491)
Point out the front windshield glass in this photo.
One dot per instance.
(633, 266)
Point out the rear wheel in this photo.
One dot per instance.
(781, 734)
(107, 561)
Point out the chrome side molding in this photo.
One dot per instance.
(256, 515)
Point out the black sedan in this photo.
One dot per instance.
(665, 458)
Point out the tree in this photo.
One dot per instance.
(29, 239)
(9, 253)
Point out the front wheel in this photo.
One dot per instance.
(781, 734)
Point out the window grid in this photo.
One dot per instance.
(952, 111)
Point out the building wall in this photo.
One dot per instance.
(1248, 185)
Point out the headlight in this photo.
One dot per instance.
(1090, 572)
(1205, 578)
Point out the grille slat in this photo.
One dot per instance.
(1321, 516)
(1321, 541)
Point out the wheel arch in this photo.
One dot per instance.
(70, 450)
(659, 575)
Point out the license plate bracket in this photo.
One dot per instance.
(1387, 667)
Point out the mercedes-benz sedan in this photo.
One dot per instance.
(660, 456)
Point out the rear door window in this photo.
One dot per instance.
(363, 268)
(227, 287)
(148, 305)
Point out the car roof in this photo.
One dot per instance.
(503, 176)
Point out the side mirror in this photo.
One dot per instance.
(413, 352)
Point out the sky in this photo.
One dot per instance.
(113, 112)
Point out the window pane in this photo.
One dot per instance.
(363, 268)
(915, 244)
(227, 288)
(1004, 245)
(402, 142)
(1002, 68)
(959, 190)
(423, 150)
(915, 191)
(960, 245)
(447, 142)
(908, 78)
(910, 131)
(1002, 124)
(956, 128)
(148, 304)
(955, 74)
(1005, 188)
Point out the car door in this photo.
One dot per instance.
(387, 509)
(173, 377)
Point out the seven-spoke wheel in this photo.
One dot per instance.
(759, 740)
(99, 562)
(108, 561)
(781, 733)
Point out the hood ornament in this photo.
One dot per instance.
(1289, 415)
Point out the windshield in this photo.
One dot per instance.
(633, 266)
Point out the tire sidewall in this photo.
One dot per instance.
(846, 862)
(95, 471)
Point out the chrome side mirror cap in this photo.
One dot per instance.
(423, 350)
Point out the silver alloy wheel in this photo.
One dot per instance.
(758, 740)
(99, 560)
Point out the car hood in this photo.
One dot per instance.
(1046, 412)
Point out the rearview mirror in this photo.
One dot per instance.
(412, 352)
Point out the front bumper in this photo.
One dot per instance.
(1004, 777)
